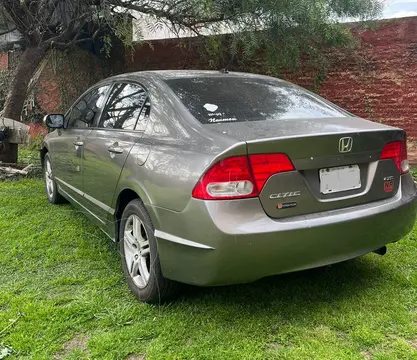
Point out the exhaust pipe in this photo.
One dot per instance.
(382, 251)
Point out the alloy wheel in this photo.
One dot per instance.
(137, 251)
(49, 179)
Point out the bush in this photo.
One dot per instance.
(37, 133)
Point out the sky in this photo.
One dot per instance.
(400, 8)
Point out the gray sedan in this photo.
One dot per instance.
(215, 178)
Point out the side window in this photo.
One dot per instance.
(144, 115)
(123, 107)
(84, 111)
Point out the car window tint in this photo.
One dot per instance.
(123, 107)
(235, 99)
(84, 111)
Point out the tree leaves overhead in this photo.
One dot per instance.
(290, 25)
(285, 29)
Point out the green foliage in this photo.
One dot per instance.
(36, 141)
(290, 33)
(414, 172)
(28, 155)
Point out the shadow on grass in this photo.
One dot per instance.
(293, 295)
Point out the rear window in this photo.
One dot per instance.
(233, 99)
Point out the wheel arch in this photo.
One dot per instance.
(125, 196)
(44, 150)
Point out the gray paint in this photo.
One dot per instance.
(216, 242)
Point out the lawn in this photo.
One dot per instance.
(62, 296)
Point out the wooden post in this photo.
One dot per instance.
(8, 152)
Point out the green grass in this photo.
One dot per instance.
(28, 155)
(62, 296)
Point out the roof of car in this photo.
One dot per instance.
(175, 74)
(181, 74)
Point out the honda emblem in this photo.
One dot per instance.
(345, 145)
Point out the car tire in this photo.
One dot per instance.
(139, 256)
(51, 188)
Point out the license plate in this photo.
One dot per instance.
(338, 179)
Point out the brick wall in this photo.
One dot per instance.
(66, 75)
(4, 61)
(377, 82)
(381, 82)
(62, 77)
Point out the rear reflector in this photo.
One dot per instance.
(397, 152)
(240, 177)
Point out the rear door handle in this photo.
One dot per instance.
(115, 150)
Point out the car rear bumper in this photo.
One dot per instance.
(229, 242)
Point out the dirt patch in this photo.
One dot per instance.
(79, 342)
(413, 343)
(275, 346)
(367, 355)
(136, 357)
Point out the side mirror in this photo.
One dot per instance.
(54, 121)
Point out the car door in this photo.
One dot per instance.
(68, 147)
(108, 145)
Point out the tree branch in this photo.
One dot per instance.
(180, 18)
(17, 15)
(68, 32)
(75, 41)
(8, 31)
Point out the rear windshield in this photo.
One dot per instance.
(233, 99)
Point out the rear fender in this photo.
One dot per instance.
(128, 182)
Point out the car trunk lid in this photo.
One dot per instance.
(337, 163)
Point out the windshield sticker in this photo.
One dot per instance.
(211, 107)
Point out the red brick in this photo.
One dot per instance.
(4, 61)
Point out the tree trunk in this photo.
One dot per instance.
(29, 62)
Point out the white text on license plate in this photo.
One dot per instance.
(337, 179)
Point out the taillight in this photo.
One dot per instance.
(240, 177)
(265, 165)
(230, 178)
(397, 152)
